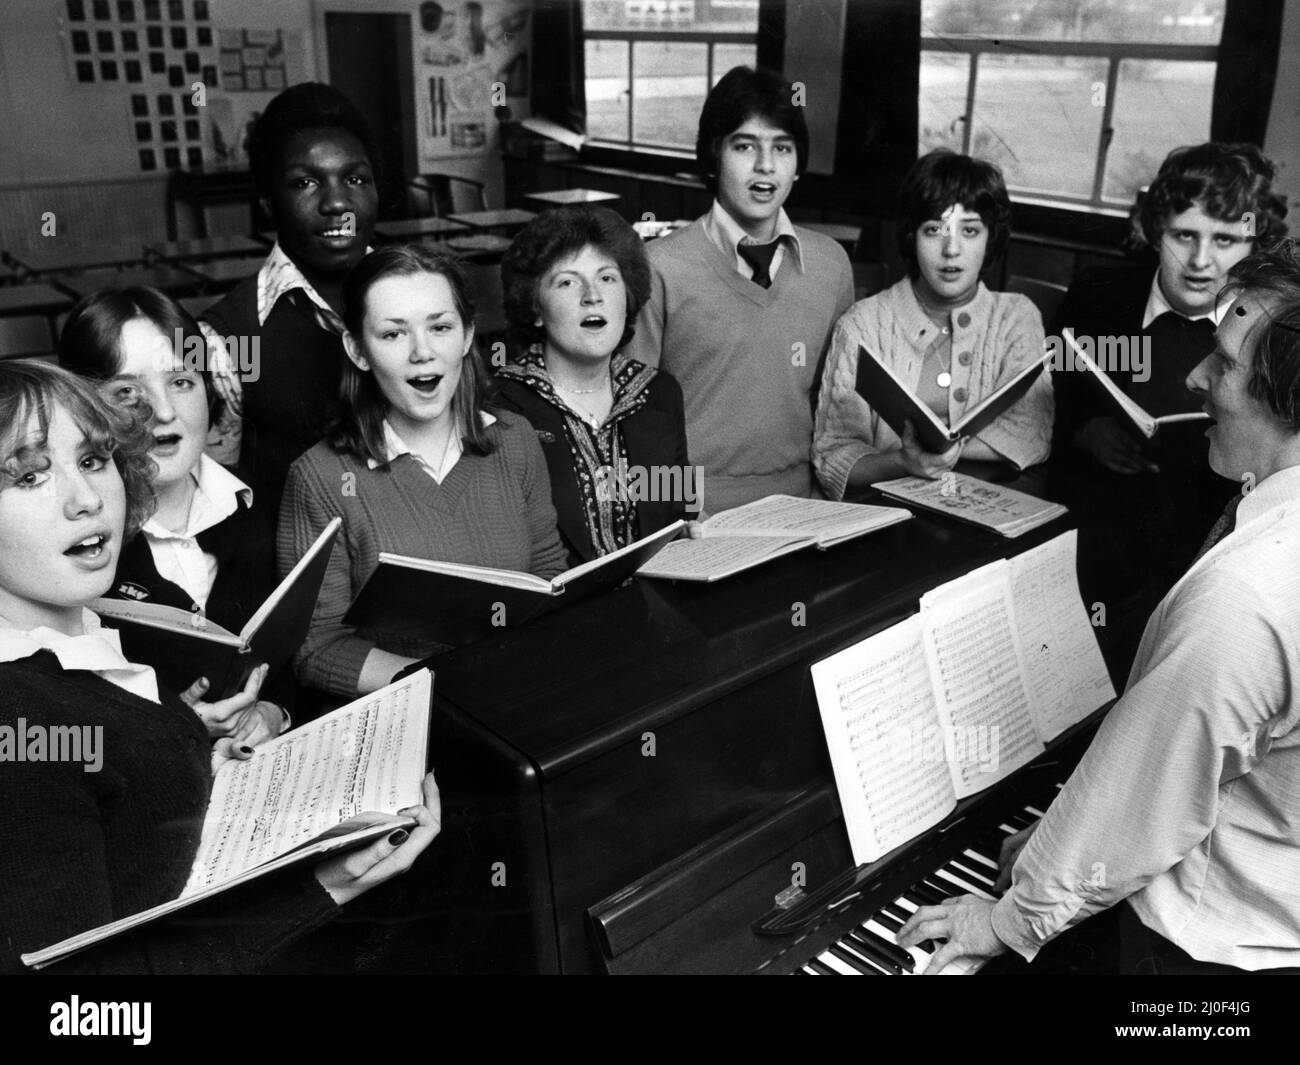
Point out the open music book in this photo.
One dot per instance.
(272, 635)
(991, 506)
(300, 797)
(897, 404)
(747, 536)
(450, 603)
(1146, 424)
(957, 697)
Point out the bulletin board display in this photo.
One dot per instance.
(470, 57)
(254, 60)
(153, 53)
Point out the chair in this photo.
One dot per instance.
(1045, 295)
(443, 194)
(25, 337)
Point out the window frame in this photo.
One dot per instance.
(632, 38)
(1114, 52)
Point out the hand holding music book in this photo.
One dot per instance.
(897, 404)
(1137, 416)
(330, 785)
(272, 635)
(448, 602)
(957, 697)
(747, 536)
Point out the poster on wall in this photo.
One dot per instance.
(471, 57)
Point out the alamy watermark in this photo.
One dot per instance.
(22, 742)
(977, 745)
(1112, 354)
(651, 484)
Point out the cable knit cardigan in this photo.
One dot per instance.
(994, 336)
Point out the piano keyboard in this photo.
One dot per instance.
(871, 949)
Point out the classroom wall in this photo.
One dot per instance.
(70, 149)
(1282, 142)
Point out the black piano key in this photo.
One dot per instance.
(849, 958)
(900, 917)
(821, 967)
(939, 887)
(922, 895)
(868, 940)
(971, 873)
(889, 919)
(871, 955)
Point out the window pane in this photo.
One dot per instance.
(726, 56)
(944, 76)
(660, 16)
(669, 83)
(607, 89)
(1158, 106)
(1158, 21)
(1038, 118)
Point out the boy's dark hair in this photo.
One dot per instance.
(741, 94)
(942, 178)
(91, 342)
(1227, 180)
(1273, 275)
(310, 105)
(555, 235)
(360, 427)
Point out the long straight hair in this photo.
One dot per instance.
(359, 429)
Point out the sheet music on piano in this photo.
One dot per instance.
(954, 699)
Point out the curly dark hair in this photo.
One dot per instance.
(942, 178)
(1226, 180)
(1273, 276)
(310, 105)
(743, 93)
(359, 429)
(556, 235)
(31, 389)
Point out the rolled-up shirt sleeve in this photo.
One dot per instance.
(1213, 694)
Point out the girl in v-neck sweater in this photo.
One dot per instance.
(416, 465)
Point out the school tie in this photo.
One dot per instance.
(759, 257)
(1221, 528)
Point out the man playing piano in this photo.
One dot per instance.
(1185, 810)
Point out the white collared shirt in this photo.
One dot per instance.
(1157, 305)
(98, 650)
(395, 446)
(177, 555)
(1187, 802)
(726, 233)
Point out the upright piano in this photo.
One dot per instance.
(634, 783)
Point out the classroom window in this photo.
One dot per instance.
(1078, 103)
(650, 63)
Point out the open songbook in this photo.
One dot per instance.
(956, 698)
(1144, 423)
(452, 603)
(897, 404)
(991, 506)
(747, 536)
(300, 797)
(272, 635)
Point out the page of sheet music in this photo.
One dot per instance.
(878, 712)
(982, 696)
(1068, 679)
(963, 494)
(366, 756)
(822, 519)
(718, 556)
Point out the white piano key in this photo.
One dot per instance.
(975, 856)
(965, 885)
(843, 968)
(972, 874)
(1035, 812)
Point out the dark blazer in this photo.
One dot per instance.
(245, 553)
(655, 435)
(1169, 513)
(82, 849)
